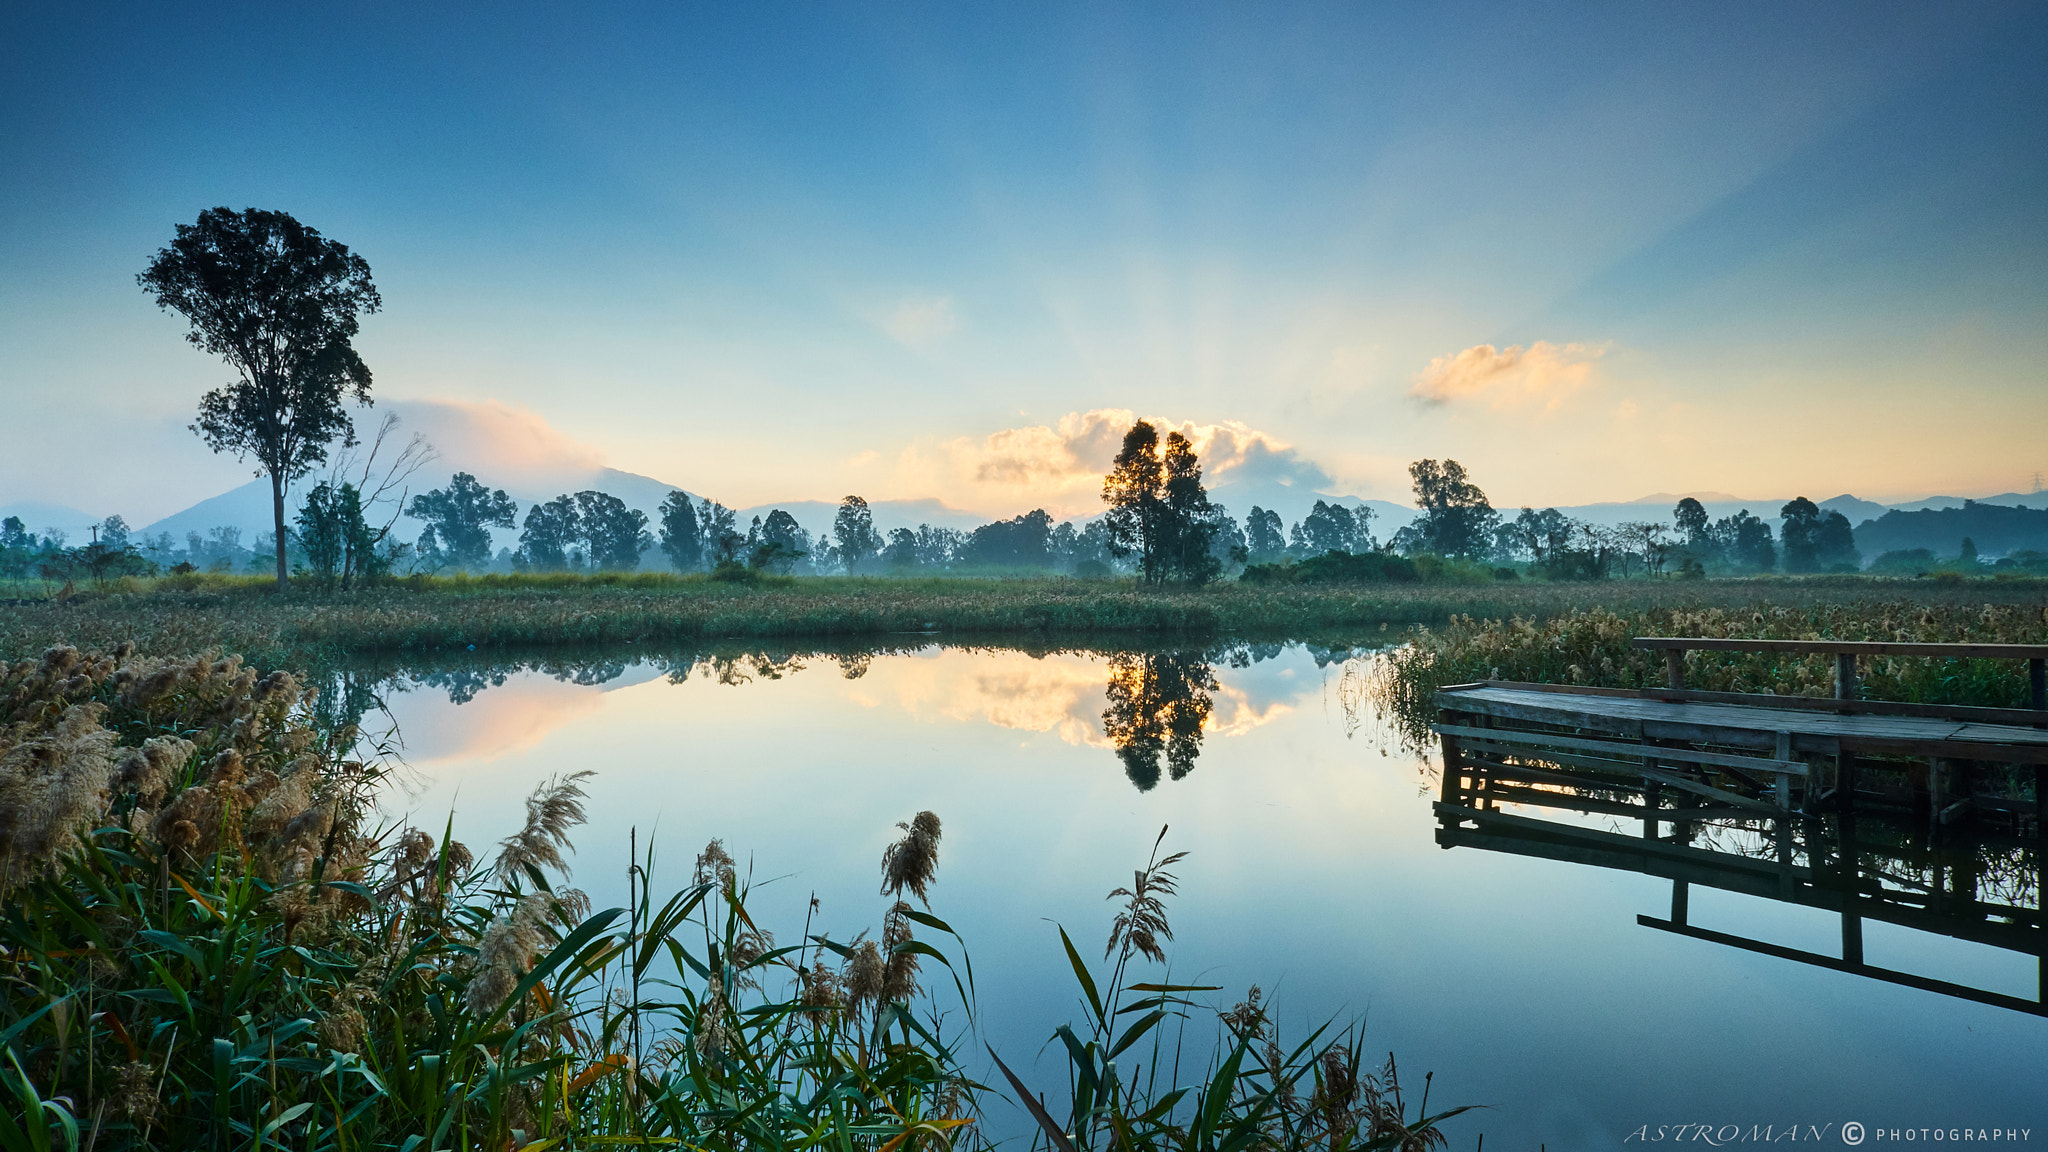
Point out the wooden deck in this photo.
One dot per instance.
(1532, 769)
(1639, 717)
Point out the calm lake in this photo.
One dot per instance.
(1525, 984)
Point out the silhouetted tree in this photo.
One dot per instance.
(1189, 522)
(777, 543)
(1262, 535)
(1691, 517)
(1798, 535)
(853, 532)
(459, 521)
(1744, 542)
(1967, 554)
(614, 534)
(551, 530)
(722, 540)
(279, 302)
(1333, 528)
(1834, 543)
(1022, 542)
(681, 539)
(1456, 519)
(1132, 492)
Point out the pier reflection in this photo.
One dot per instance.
(1978, 887)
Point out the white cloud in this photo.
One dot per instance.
(1543, 373)
(490, 439)
(921, 322)
(1059, 467)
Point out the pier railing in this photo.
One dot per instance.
(1846, 652)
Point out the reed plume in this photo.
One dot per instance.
(555, 807)
(911, 861)
(1142, 924)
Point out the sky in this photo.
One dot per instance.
(777, 252)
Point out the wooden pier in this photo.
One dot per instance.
(1869, 809)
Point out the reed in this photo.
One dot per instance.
(208, 942)
(504, 612)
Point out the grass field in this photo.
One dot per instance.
(421, 615)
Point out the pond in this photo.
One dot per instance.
(1524, 983)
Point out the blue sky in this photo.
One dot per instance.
(779, 251)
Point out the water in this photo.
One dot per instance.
(1524, 984)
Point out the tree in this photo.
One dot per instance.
(1744, 541)
(1835, 544)
(279, 302)
(1132, 492)
(1691, 517)
(853, 532)
(1189, 522)
(722, 541)
(777, 543)
(681, 539)
(1158, 509)
(613, 534)
(1262, 536)
(551, 530)
(1022, 542)
(1456, 519)
(1333, 528)
(1799, 535)
(339, 544)
(459, 521)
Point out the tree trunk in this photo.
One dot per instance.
(277, 517)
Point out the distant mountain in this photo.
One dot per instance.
(1996, 529)
(39, 517)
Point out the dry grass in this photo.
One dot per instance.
(198, 613)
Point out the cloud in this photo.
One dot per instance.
(1542, 373)
(1059, 467)
(921, 321)
(490, 439)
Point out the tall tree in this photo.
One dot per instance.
(551, 529)
(1262, 535)
(1132, 492)
(681, 539)
(1691, 517)
(777, 543)
(279, 302)
(853, 532)
(459, 521)
(1456, 519)
(1834, 543)
(719, 524)
(1799, 535)
(614, 534)
(1189, 522)
(1744, 541)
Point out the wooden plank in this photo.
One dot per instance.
(1633, 717)
(1851, 647)
(1709, 791)
(1622, 750)
(1619, 842)
(2025, 717)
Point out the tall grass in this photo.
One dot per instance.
(207, 943)
(198, 612)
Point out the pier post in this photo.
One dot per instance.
(1845, 676)
(1674, 669)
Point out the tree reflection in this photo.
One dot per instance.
(1158, 702)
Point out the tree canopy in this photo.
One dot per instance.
(280, 303)
(459, 522)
